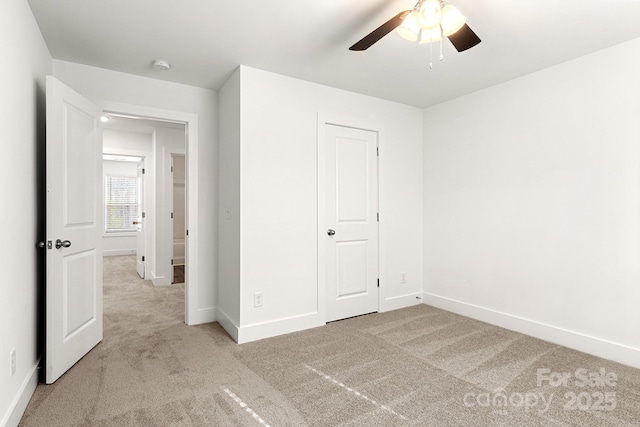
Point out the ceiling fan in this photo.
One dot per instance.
(428, 21)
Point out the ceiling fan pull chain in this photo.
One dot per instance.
(431, 56)
(441, 54)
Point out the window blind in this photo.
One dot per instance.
(121, 203)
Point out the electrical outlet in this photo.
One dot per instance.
(12, 357)
(403, 277)
(257, 299)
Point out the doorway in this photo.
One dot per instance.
(75, 192)
(151, 237)
(193, 313)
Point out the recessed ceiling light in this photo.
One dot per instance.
(161, 65)
(105, 119)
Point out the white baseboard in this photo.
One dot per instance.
(160, 281)
(596, 346)
(227, 324)
(269, 329)
(401, 301)
(118, 252)
(20, 402)
(258, 331)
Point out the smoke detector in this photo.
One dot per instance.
(161, 65)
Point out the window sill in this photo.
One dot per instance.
(120, 234)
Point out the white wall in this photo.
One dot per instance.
(229, 206)
(123, 243)
(102, 86)
(127, 143)
(532, 204)
(22, 122)
(277, 137)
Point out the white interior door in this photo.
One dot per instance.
(140, 256)
(74, 228)
(352, 223)
(178, 216)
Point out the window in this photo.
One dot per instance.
(121, 196)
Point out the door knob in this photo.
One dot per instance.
(135, 222)
(62, 244)
(331, 232)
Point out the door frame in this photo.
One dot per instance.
(141, 229)
(354, 123)
(191, 312)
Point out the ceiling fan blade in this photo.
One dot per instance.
(384, 29)
(464, 38)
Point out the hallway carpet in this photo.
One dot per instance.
(418, 366)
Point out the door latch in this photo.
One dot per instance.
(48, 244)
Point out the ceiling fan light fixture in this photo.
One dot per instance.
(430, 36)
(452, 20)
(429, 14)
(429, 21)
(410, 30)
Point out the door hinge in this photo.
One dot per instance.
(378, 216)
(144, 214)
(171, 215)
(142, 258)
(378, 282)
(142, 171)
(377, 151)
(186, 232)
(171, 168)
(171, 262)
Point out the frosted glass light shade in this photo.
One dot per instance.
(452, 20)
(409, 30)
(429, 14)
(429, 36)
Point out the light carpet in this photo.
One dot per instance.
(418, 366)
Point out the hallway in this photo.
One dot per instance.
(150, 368)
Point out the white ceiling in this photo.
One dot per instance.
(205, 40)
